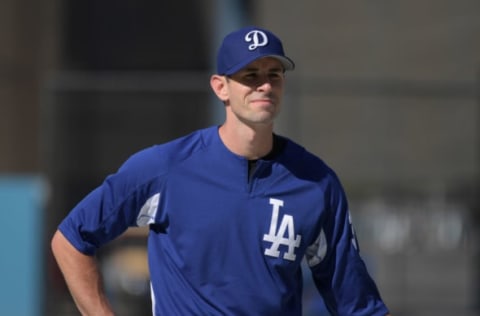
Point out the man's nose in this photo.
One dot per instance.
(264, 84)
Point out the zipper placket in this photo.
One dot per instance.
(252, 175)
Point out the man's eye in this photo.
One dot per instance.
(251, 75)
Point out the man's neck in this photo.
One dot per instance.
(251, 143)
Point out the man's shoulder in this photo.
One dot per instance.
(187, 143)
(171, 152)
(306, 163)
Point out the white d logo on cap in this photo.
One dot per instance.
(257, 37)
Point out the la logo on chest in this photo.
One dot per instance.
(281, 234)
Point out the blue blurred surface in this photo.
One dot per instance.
(21, 235)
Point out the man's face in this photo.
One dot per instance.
(254, 94)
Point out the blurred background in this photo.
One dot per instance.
(387, 93)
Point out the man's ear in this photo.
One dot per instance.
(219, 86)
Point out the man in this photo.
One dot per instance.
(232, 210)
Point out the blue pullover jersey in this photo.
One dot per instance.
(224, 241)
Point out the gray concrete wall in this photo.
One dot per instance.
(385, 92)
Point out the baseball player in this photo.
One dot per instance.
(232, 210)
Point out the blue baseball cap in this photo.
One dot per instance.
(246, 45)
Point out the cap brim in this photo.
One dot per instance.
(287, 63)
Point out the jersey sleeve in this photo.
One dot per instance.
(339, 272)
(118, 203)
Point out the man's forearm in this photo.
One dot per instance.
(82, 277)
